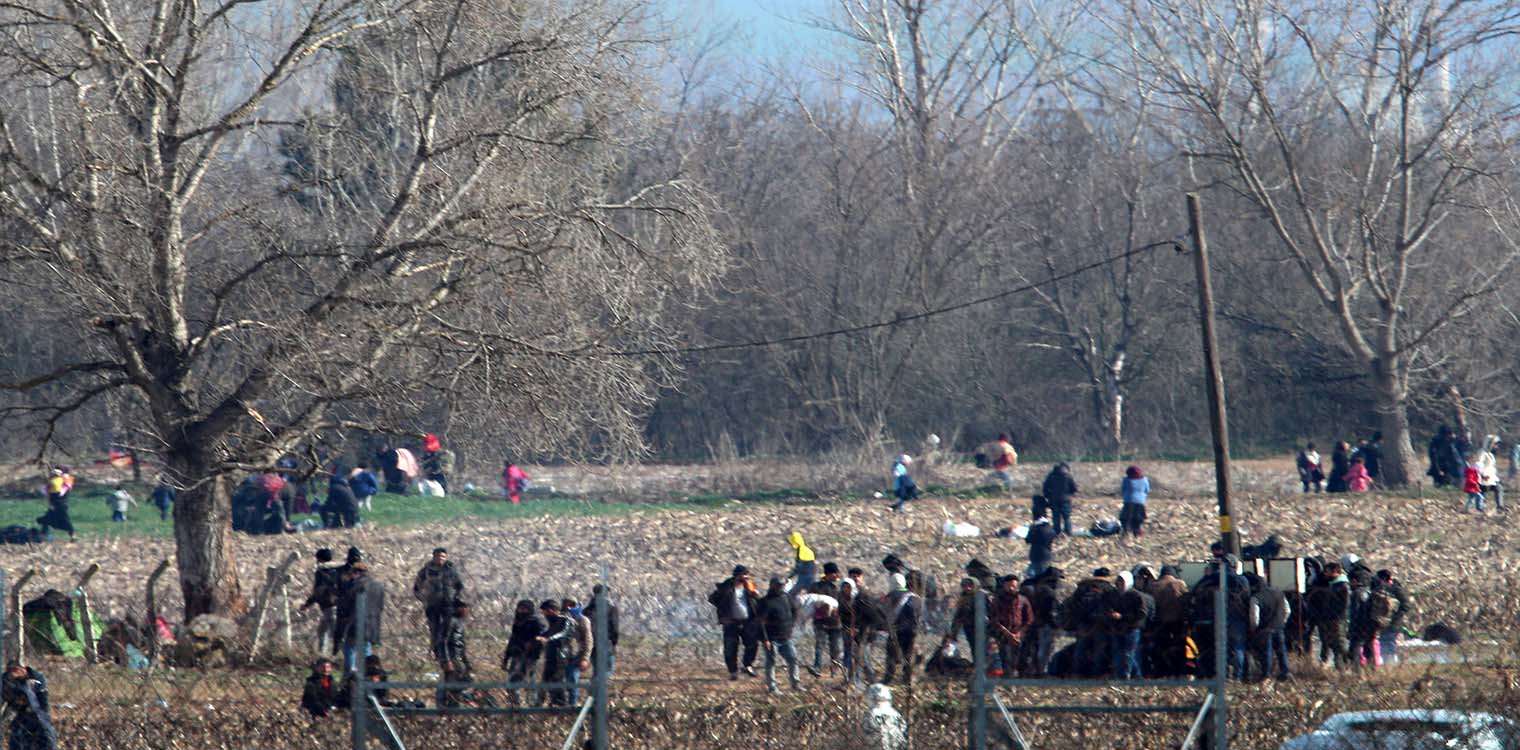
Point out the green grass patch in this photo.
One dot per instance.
(92, 516)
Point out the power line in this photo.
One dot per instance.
(901, 319)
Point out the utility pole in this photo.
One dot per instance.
(1215, 378)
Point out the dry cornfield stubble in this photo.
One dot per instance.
(661, 565)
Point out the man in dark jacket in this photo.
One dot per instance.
(1370, 610)
(453, 658)
(1040, 538)
(828, 629)
(556, 643)
(320, 695)
(523, 646)
(1058, 490)
(963, 619)
(1329, 603)
(1088, 615)
(1200, 608)
(904, 611)
(612, 628)
(25, 693)
(1388, 639)
(1269, 617)
(341, 508)
(736, 599)
(1169, 630)
(1131, 615)
(324, 594)
(390, 470)
(357, 583)
(924, 586)
(777, 617)
(1043, 593)
(437, 585)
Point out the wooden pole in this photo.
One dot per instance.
(87, 624)
(152, 603)
(1214, 379)
(17, 646)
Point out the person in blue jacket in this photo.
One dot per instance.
(1135, 489)
(365, 486)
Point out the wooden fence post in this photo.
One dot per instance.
(16, 649)
(90, 656)
(152, 603)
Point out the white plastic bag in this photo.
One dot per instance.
(961, 530)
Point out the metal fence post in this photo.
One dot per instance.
(5, 624)
(602, 654)
(977, 739)
(1220, 739)
(358, 699)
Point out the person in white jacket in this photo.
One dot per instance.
(1488, 471)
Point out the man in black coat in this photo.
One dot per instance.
(341, 508)
(357, 583)
(612, 627)
(1329, 604)
(437, 586)
(558, 633)
(863, 618)
(736, 600)
(25, 693)
(1269, 618)
(1043, 592)
(1058, 490)
(778, 617)
(905, 610)
(1040, 538)
(320, 695)
(324, 594)
(523, 646)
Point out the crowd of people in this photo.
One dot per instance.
(1144, 622)
(1454, 461)
(552, 642)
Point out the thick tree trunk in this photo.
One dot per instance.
(1400, 464)
(203, 545)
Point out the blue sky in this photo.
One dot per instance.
(769, 30)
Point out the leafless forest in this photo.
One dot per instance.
(238, 228)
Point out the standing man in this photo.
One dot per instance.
(390, 469)
(25, 693)
(1132, 615)
(578, 660)
(1012, 616)
(1388, 638)
(449, 649)
(1058, 490)
(778, 617)
(1329, 603)
(558, 632)
(324, 594)
(523, 645)
(1269, 616)
(437, 585)
(736, 599)
(357, 583)
(612, 628)
(1169, 630)
(163, 498)
(1040, 538)
(904, 610)
(828, 628)
(1004, 458)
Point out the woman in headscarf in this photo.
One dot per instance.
(1135, 489)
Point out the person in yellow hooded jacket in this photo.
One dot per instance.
(805, 571)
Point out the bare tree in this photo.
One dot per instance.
(1370, 138)
(407, 201)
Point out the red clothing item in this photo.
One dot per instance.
(1470, 481)
(513, 479)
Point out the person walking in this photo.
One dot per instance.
(437, 585)
(357, 583)
(163, 498)
(1472, 484)
(578, 661)
(120, 501)
(903, 486)
(1058, 490)
(1340, 465)
(324, 593)
(60, 484)
(736, 600)
(777, 618)
(1135, 489)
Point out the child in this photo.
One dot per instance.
(1135, 488)
(119, 501)
(1357, 478)
(1472, 486)
(1310, 469)
(902, 483)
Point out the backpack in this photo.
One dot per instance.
(1380, 607)
(1105, 527)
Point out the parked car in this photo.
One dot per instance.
(1412, 729)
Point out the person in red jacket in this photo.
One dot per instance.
(514, 479)
(1012, 615)
(1473, 486)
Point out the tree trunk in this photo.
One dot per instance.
(1400, 464)
(203, 544)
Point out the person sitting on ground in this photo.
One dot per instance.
(1135, 490)
(903, 486)
(1357, 478)
(320, 695)
(1311, 469)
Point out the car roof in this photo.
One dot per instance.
(1432, 715)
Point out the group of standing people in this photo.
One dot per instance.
(1455, 463)
(558, 633)
(1351, 469)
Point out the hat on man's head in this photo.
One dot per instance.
(740, 570)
